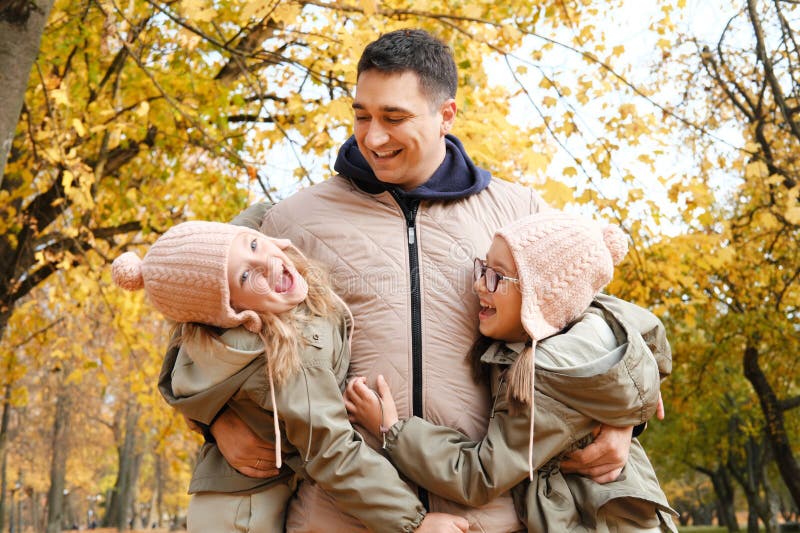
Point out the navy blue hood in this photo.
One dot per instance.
(457, 176)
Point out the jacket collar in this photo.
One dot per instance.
(503, 353)
(457, 176)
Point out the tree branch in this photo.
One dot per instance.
(777, 92)
(789, 403)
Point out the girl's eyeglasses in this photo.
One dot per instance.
(493, 277)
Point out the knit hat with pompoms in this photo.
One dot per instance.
(185, 274)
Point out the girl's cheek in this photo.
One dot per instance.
(259, 283)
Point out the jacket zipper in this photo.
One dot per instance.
(409, 207)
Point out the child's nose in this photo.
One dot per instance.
(479, 285)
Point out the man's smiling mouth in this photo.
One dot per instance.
(386, 154)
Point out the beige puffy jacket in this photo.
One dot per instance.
(365, 241)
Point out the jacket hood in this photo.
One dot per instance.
(457, 176)
(214, 365)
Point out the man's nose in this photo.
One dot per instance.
(376, 135)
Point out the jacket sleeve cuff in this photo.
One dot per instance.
(415, 523)
(393, 435)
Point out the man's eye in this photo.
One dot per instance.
(394, 120)
(361, 118)
(253, 245)
(245, 275)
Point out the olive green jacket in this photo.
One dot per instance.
(318, 441)
(616, 383)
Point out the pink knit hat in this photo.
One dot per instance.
(562, 262)
(185, 274)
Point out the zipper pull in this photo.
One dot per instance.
(411, 235)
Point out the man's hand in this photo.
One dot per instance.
(242, 448)
(443, 523)
(602, 460)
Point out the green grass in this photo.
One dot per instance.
(710, 529)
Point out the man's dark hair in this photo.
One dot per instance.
(416, 51)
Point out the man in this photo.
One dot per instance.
(399, 228)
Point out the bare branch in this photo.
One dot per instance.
(789, 403)
(777, 92)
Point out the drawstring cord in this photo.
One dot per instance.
(530, 434)
(275, 416)
(278, 459)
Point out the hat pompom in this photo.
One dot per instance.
(126, 271)
(616, 242)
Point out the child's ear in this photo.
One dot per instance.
(281, 243)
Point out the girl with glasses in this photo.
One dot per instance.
(559, 356)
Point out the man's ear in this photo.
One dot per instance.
(448, 111)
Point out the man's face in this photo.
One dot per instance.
(398, 131)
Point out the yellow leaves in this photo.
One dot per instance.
(792, 212)
(535, 161)
(618, 50)
(19, 397)
(198, 10)
(549, 101)
(368, 6)
(142, 109)
(287, 12)
(756, 170)
(66, 181)
(254, 10)
(556, 193)
(340, 111)
(78, 126)
(53, 154)
(472, 10)
(626, 110)
(752, 148)
(59, 97)
(664, 44)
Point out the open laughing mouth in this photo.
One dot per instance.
(486, 311)
(285, 281)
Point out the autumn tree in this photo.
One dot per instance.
(140, 114)
(729, 286)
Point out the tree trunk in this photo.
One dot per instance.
(750, 473)
(157, 500)
(724, 490)
(20, 36)
(58, 464)
(36, 514)
(122, 495)
(4, 455)
(774, 423)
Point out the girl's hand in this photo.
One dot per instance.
(374, 411)
(441, 522)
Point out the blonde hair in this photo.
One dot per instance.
(281, 333)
